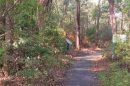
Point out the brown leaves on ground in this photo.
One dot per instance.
(12, 81)
(100, 64)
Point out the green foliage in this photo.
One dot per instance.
(122, 50)
(1, 55)
(91, 34)
(114, 76)
(2, 3)
(105, 33)
(1, 51)
(26, 14)
(26, 22)
(1, 30)
(29, 73)
(37, 50)
(118, 73)
(54, 38)
(95, 13)
(126, 7)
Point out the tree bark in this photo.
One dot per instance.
(40, 14)
(8, 38)
(112, 16)
(77, 35)
(122, 21)
(98, 21)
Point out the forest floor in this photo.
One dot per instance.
(83, 71)
(85, 67)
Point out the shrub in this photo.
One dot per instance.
(55, 39)
(37, 50)
(29, 73)
(122, 50)
(91, 34)
(1, 55)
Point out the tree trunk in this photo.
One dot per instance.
(95, 22)
(77, 35)
(98, 19)
(122, 21)
(99, 14)
(40, 14)
(8, 39)
(42, 5)
(87, 22)
(112, 23)
(112, 16)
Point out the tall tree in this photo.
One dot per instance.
(98, 19)
(112, 16)
(77, 35)
(8, 37)
(42, 5)
(40, 14)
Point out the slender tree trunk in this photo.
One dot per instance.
(40, 14)
(77, 35)
(112, 16)
(99, 14)
(8, 39)
(65, 9)
(95, 21)
(117, 25)
(98, 21)
(112, 23)
(122, 21)
(108, 21)
(70, 18)
(87, 22)
(42, 5)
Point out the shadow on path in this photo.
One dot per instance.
(81, 73)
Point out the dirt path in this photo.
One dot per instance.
(82, 72)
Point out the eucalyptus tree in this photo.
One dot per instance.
(42, 6)
(77, 35)
(8, 37)
(98, 19)
(112, 16)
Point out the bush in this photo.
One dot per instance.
(105, 33)
(37, 50)
(122, 50)
(29, 73)
(91, 34)
(1, 55)
(114, 76)
(55, 39)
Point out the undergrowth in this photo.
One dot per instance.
(115, 76)
(118, 73)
